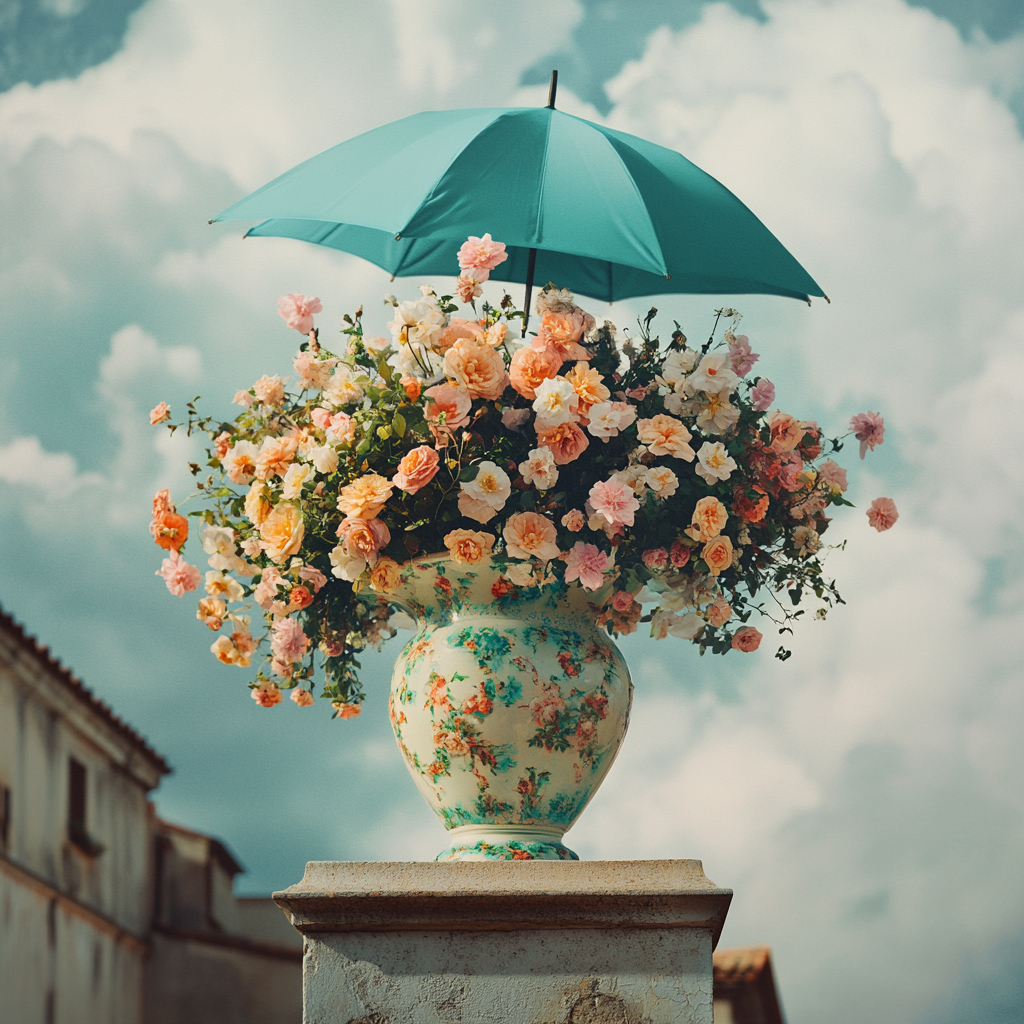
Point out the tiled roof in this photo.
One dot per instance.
(744, 979)
(740, 966)
(29, 643)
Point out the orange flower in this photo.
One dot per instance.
(276, 455)
(530, 367)
(346, 710)
(282, 532)
(747, 510)
(412, 387)
(717, 554)
(267, 696)
(170, 531)
(561, 331)
(665, 435)
(468, 547)
(365, 497)
(457, 330)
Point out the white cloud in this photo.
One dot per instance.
(24, 463)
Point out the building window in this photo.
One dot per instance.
(78, 831)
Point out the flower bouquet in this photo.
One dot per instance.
(652, 476)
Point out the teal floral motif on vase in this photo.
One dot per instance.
(509, 705)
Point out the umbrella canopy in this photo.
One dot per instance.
(610, 215)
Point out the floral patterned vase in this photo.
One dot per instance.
(509, 705)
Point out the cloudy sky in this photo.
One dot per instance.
(865, 798)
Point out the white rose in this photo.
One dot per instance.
(540, 469)
(346, 566)
(324, 459)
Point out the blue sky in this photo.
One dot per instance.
(863, 799)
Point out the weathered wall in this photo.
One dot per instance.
(53, 953)
(201, 983)
(566, 976)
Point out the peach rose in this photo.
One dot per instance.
(458, 329)
(477, 368)
(211, 612)
(159, 413)
(719, 612)
(282, 532)
(474, 508)
(365, 497)
(346, 710)
(530, 367)
(364, 537)
(717, 554)
(299, 597)
(586, 381)
(412, 387)
(269, 390)
(386, 576)
(746, 639)
(786, 431)
(257, 505)
(562, 331)
(665, 435)
(531, 535)
(453, 403)
(267, 696)
(302, 697)
(416, 469)
(468, 547)
(566, 441)
(709, 519)
(275, 456)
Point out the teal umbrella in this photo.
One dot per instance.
(595, 210)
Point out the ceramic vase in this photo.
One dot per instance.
(509, 705)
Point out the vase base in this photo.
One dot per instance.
(511, 850)
(515, 842)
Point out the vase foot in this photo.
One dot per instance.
(513, 842)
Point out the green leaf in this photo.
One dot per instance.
(398, 424)
(384, 433)
(469, 473)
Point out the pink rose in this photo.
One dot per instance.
(179, 576)
(719, 612)
(481, 254)
(467, 287)
(832, 475)
(882, 515)
(288, 642)
(739, 352)
(586, 563)
(159, 413)
(622, 601)
(746, 639)
(869, 429)
(614, 501)
(762, 394)
(267, 696)
(453, 403)
(298, 311)
(655, 558)
(416, 469)
(244, 399)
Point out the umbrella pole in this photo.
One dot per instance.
(530, 266)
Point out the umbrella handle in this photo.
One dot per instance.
(531, 263)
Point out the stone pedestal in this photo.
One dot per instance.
(514, 942)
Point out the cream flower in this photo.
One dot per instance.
(417, 323)
(240, 462)
(220, 585)
(468, 547)
(418, 361)
(257, 505)
(718, 415)
(556, 403)
(346, 565)
(344, 386)
(269, 390)
(678, 363)
(714, 462)
(665, 435)
(324, 459)
(662, 481)
(540, 469)
(491, 485)
(296, 476)
(607, 419)
(714, 373)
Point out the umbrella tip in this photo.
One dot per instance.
(209, 222)
(552, 90)
(826, 298)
